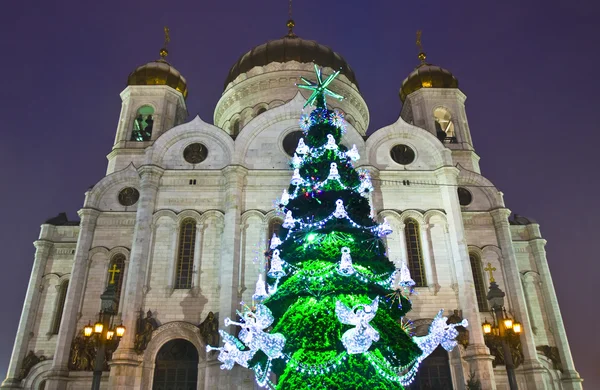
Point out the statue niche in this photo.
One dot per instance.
(145, 327)
(83, 354)
(28, 362)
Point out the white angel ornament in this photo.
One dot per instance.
(230, 353)
(340, 211)
(333, 172)
(330, 145)
(276, 270)
(301, 148)
(360, 338)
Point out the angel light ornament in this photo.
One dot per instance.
(333, 172)
(352, 154)
(385, 228)
(260, 293)
(285, 198)
(330, 145)
(296, 161)
(345, 267)
(301, 148)
(296, 178)
(253, 335)
(340, 211)
(360, 338)
(230, 352)
(440, 333)
(405, 279)
(276, 270)
(275, 241)
(289, 221)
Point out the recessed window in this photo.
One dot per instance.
(195, 153)
(128, 196)
(142, 124)
(402, 154)
(193, 182)
(235, 127)
(290, 142)
(464, 196)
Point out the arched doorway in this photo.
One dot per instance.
(176, 366)
(434, 373)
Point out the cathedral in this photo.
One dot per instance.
(172, 238)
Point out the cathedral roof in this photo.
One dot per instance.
(159, 72)
(291, 48)
(61, 220)
(426, 76)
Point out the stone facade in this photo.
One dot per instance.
(229, 196)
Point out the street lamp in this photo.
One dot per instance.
(502, 328)
(102, 333)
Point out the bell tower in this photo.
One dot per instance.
(152, 103)
(431, 100)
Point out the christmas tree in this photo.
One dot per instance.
(331, 315)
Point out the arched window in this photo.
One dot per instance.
(60, 306)
(185, 260)
(479, 282)
(142, 124)
(434, 372)
(235, 127)
(414, 252)
(116, 269)
(443, 125)
(176, 366)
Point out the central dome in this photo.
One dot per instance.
(291, 48)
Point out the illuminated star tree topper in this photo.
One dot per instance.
(319, 89)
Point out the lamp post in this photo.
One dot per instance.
(502, 328)
(105, 335)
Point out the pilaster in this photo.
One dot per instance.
(57, 379)
(532, 368)
(230, 248)
(570, 377)
(125, 361)
(477, 354)
(28, 315)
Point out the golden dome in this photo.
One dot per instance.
(427, 76)
(159, 72)
(291, 48)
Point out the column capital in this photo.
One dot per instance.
(88, 214)
(500, 214)
(448, 172)
(43, 245)
(234, 172)
(150, 174)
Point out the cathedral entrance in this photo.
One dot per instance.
(176, 366)
(434, 373)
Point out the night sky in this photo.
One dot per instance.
(530, 71)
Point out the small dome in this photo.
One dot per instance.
(159, 72)
(427, 76)
(291, 48)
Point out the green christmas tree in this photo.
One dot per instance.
(331, 318)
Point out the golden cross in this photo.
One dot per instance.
(490, 269)
(113, 271)
(420, 46)
(163, 51)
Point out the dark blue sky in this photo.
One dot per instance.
(529, 69)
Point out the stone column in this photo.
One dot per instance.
(57, 378)
(532, 368)
(230, 251)
(197, 277)
(430, 275)
(402, 243)
(30, 308)
(477, 354)
(125, 362)
(570, 377)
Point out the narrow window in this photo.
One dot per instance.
(142, 124)
(185, 261)
(60, 306)
(414, 252)
(116, 269)
(479, 282)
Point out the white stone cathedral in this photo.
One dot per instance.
(182, 217)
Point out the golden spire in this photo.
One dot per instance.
(163, 51)
(290, 23)
(422, 55)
